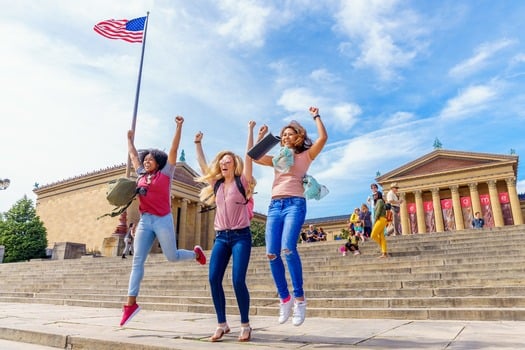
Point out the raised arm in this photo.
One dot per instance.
(264, 160)
(248, 161)
(172, 156)
(132, 151)
(201, 158)
(321, 131)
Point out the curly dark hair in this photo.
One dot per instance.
(160, 156)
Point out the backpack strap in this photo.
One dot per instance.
(217, 185)
(118, 210)
(239, 184)
(241, 188)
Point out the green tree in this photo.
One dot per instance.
(258, 229)
(344, 234)
(22, 233)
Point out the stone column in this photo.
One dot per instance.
(405, 226)
(514, 201)
(474, 197)
(420, 212)
(495, 205)
(438, 214)
(198, 226)
(456, 205)
(183, 231)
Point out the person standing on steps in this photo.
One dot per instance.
(233, 237)
(287, 210)
(478, 221)
(378, 230)
(128, 239)
(155, 169)
(392, 197)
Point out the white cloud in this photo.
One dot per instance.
(384, 36)
(345, 115)
(518, 59)
(323, 76)
(399, 118)
(471, 100)
(520, 186)
(246, 21)
(298, 99)
(482, 54)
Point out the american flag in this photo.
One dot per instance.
(131, 31)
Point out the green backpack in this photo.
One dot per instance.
(120, 193)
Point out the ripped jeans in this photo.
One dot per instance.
(283, 226)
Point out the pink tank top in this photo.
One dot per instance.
(290, 184)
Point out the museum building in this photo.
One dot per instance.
(440, 190)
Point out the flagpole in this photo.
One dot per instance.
(122, 228)
(135, 108)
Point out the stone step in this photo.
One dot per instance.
(364, 261)
(423, 313)
(469, 275)
(518, 290)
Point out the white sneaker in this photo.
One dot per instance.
(299, 313)
(285, 310)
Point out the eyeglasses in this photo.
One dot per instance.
(225, 162)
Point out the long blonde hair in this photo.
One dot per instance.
(213, 174)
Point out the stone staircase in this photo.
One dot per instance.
(466, 275)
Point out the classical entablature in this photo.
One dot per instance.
(442, 189)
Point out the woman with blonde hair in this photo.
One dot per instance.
(226, 175)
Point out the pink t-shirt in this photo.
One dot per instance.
(157, 200)
(290, 184)
(231, 212)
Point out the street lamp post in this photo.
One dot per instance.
(4, 184)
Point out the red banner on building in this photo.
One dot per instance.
(430, 220)
(412, 217)
(484, 199)
(449, 222)
(486, 210)
(506, 209)
(465, 202)
(466, 210)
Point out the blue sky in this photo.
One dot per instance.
(389, 78)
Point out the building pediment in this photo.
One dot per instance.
(446, 161)
(185, 174)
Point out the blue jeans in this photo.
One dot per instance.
(149, 227)
(236, 243)
(283, 226)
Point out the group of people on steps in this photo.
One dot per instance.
(286, 214)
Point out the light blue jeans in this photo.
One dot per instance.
(236, 244)
(149, 227)
(283, 226)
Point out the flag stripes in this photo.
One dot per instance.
(131, 31)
